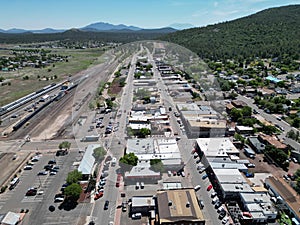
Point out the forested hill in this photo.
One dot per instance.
(119, 36)
(269, 33)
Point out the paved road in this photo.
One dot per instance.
(273, 120)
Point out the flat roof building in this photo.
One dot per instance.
(148, 148)
(179, 207)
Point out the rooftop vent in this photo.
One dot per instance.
(188, 205)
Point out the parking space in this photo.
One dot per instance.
(39, 188)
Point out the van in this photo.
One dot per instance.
(196, 188)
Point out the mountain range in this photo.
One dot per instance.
(100, 26)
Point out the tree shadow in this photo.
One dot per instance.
(68, 204)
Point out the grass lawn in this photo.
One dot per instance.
(79, 59)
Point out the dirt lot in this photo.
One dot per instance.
(8, 166)
(264, 167)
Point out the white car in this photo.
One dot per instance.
(225, 220)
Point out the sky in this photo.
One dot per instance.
(66, 14)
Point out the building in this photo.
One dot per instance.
(229, 183)
(238, 103)
(216, 147)
(201, 121)
(142, 204)
(256, 145)
(86, 166)
(289, 198)
(244, 129)
(259, 206)
(272, 140)
(179, 207)
(10, 218)
(141, 173)
(148, 148)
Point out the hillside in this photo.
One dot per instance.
(269, 33)
(121, 36)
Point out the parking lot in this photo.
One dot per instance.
(47, 187)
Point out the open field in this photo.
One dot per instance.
(78, 60)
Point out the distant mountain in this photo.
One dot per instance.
(181, 26)
(47, 31)
(42, 31)
(269, 33)
(101, 26)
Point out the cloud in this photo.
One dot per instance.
(216, 4)
(224, 13)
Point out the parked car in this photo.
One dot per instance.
(106, 204)
(42, 173)
(198, 161)
(204, 176)
(209, 187)
(28, 167)
(52, 161)
(218, 204)
(196, 188)
(222, 214)
(225, 220)
(251, 165)
(31, 192)
(136, 216)
(59, 198)
(214, 194)
(201, 204)
(48, 167)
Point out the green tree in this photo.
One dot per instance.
(157, 165)
(64, 145)
(74, 176)
(236, 114)
(296, 122)
(143, 132)
(99, 153)
(129, 159)
(246, 111)
(73, 191)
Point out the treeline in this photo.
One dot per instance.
(268, 34)
(83, 36)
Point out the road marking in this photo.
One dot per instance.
(31, 200)
(56, 223)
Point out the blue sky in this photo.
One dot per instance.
(37, 14)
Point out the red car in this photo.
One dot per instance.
(98, 195)
(209, 187)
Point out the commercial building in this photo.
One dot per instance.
(179, 207)
(287, 195)
(201, 121)
(86, 166)
(229, 183)
(148, 148)
(142, 204)
(141, 173)
(259, 206)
